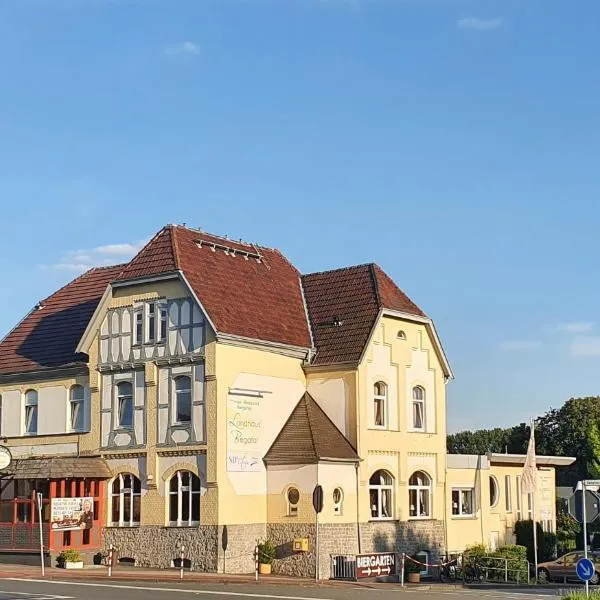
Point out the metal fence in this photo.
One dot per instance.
(343, 566)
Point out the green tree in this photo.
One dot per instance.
(593, 458)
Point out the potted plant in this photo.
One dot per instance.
(412, 569)
(70, 559)
(266, 555)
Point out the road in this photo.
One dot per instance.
(25, 589)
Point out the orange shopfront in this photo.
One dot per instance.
(63, 483)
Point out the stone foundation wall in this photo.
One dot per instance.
(157, 547)
(241, 542)
(403, 536)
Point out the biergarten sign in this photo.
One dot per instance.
(375, 565)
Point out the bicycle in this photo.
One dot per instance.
(473, 572)
(448, 571)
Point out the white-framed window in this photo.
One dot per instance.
(76, 405)
(507, 494)
(125, 404)
(463, 502)
(419, 495)
(292, 498)
(138, 325)
(338, 500)
(150, 322)
(31, 412)
(381, 493)
(126, 501)
(418, 405)
(423, 558)
(494, 491)
(380, 392)
(183, 399)
(184, 499)
(519, 498)
(164, 322)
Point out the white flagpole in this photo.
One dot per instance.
(535, 543)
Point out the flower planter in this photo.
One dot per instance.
(264, 569)
(73, 565)
(414, 578)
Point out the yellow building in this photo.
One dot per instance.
(197, 395)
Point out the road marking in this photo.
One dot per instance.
(153, 589)
(32, 596)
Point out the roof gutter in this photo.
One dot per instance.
(519, 459)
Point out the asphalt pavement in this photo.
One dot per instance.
(28, 589)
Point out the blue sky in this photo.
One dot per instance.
(454, 142)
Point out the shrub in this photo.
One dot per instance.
(69, 556)
(546, 541)
(410, 566)
(266, 552)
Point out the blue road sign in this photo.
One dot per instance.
(585, 569)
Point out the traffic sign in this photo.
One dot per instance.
(318, 499)
(592, 505)
(585, 569)
(376, 564)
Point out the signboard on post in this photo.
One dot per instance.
(592, 505)
(585, 569)
(375, 565)
(318, 499)
(68, 514)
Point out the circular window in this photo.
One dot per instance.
(337, 496)
(494, 491)
(293, 496)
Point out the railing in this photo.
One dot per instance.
(343, 566)
(492, 568)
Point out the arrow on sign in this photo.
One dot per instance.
(378, 571)
(586, 571)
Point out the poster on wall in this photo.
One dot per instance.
(244, 424)
(67, 514)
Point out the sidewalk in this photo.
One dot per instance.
(172, 576)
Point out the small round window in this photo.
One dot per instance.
(401, 335)
(338, 498)
(293, 497)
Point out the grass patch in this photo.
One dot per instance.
(580, 595)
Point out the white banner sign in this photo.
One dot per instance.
(71, 513)
(244, 427)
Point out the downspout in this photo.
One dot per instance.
(478, 475)
(357, 408)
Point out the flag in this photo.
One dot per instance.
(529, 478)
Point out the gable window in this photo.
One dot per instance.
(183, 399)
(419, 495)
(381, 489)
(138, 331)
(126, 498)
(380, 404)
(507, 494)
(150, 322)
(184, 499)
(76, 398)
(494, 491)
(125, 404)
(463, 502)
(338, 499)
(164, 322)
(418, 408)
(293, 499)
(31, 412)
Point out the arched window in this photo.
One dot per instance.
(418, 408)
(184, 499)
(31, 412)
(125, 404)
(401, 334)
(419, 495)
(76, 398)
(494, 491)
(338, 500)
(380, 404)
(381, 490)
(292, 497)
(126, 499)
(183, 399)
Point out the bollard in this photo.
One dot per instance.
(402, 570)
(110, 560)
(256, 563)
(181, 562)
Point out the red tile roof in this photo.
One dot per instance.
(343, 306)
(246, 290)
(309, 436)
(48, 336)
